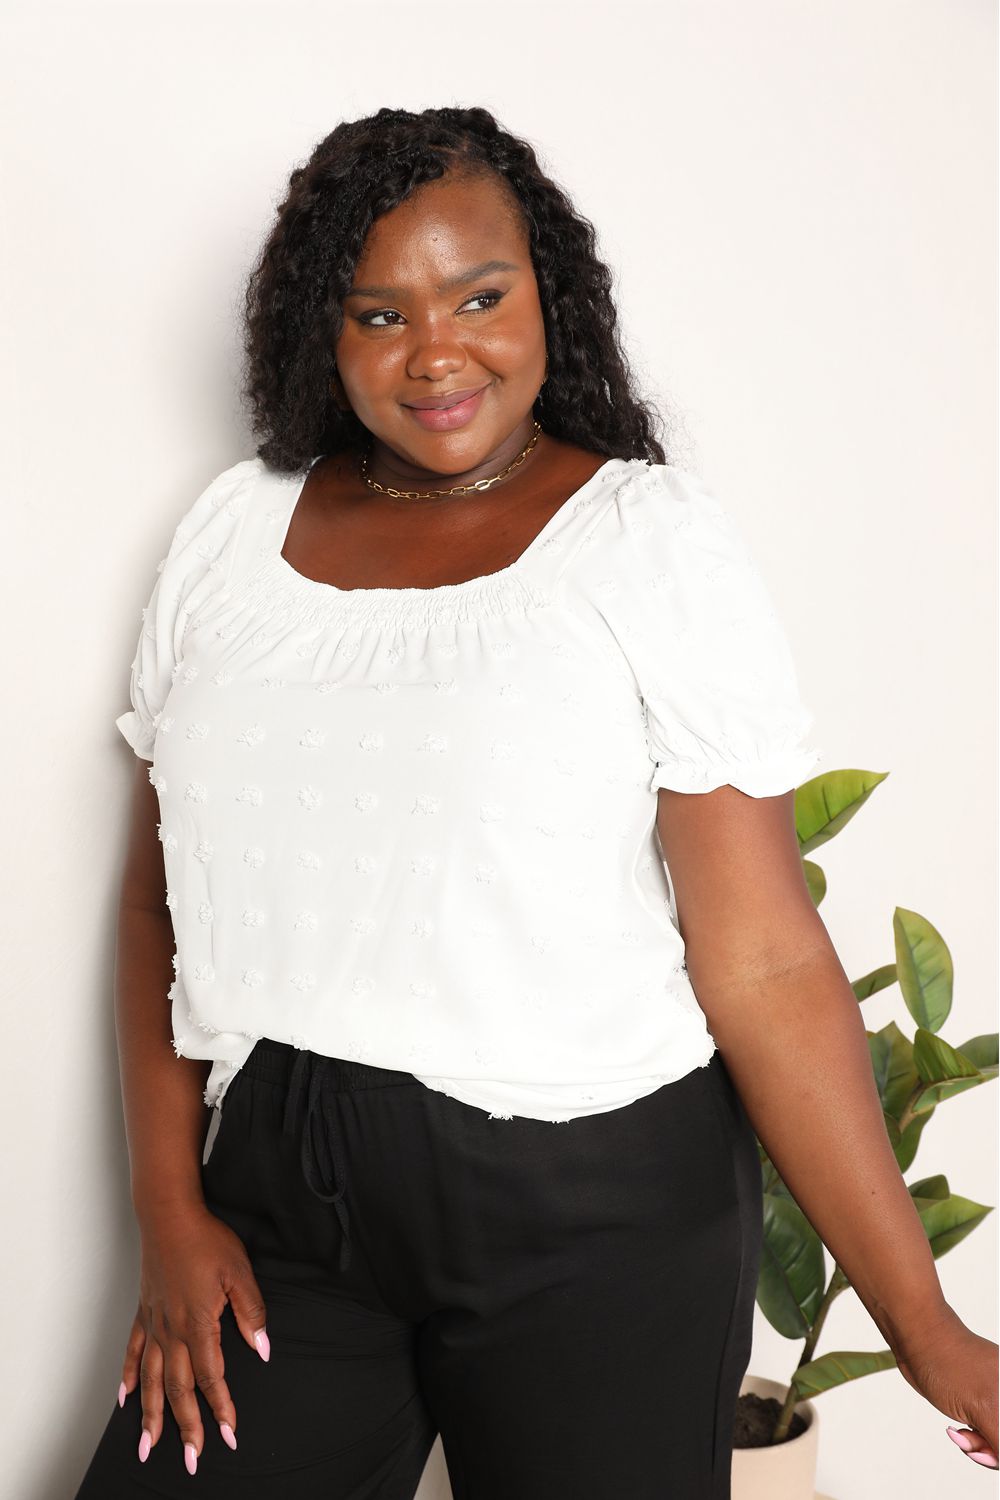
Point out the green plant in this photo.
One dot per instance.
(912, 1077)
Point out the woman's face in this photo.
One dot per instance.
(444, 300)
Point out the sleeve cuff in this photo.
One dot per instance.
(139, 737)
(757, 778)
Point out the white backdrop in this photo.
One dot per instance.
(799, 201)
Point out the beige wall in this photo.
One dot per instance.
(800, 203)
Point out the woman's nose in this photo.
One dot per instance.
(434, 352)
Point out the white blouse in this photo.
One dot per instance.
(416, 827)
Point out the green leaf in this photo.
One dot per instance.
(835, 1369)
(826, 804)
(931, 1187)
(982, 1050)
(947, 1221)
(878, 979)
(943, 1070)
(815, 880)
(925, 970)
(906, 1148)
(893, 1066)
(790, 1286)
(896, 1078)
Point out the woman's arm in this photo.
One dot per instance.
(166, 1121)
(789, 1027)
(192, 1262)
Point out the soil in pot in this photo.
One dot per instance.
(756, 1419)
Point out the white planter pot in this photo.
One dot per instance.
(786, 1471)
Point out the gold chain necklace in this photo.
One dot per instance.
(458, 489)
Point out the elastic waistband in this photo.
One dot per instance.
(274, 1061)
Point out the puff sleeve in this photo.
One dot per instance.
(197, 562)
(697, 623)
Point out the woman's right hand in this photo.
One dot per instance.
(192, 1264)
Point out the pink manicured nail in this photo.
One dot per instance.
(961, 1438)
(190, 1457)
(145, 1443)
(228, 1435)
(984, 1458)
(263, 1343)
(122, 1393)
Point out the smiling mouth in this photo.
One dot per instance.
(442, 403)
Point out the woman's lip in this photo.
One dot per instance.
(445, 418)
(438, 403)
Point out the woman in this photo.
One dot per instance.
(430, 689)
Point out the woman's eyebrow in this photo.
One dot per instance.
(462, 279)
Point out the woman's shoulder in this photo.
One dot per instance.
(685, 521)
(653, 509)
(673, 488)
(215, 517)
(225, 494)
(662, 539)
(208, 528)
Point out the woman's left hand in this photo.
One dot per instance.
(956, 1370)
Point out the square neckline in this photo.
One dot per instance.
(512, 570)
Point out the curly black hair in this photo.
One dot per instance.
(361, 170)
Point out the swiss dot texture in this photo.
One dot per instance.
(414, 827)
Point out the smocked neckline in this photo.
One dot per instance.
(441, 592)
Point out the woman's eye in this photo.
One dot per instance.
(492, 297)
(369, 318)
(387, 312)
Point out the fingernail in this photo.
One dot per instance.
(961, 1438)
(228, 1435)
(985, 1459)
(190, 1457)
(145, 1443)
(263, 1343)
(122, 1393)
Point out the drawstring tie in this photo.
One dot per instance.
(319, 1153)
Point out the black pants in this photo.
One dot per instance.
(569, 1304)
